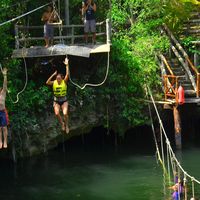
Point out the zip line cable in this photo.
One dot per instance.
(25, 14)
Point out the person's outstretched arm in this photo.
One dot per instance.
(49, 81)
(66, 62)
(5, 82)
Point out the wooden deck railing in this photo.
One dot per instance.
(185, 61)
(170, 81)
(26, 34)
(171, 87)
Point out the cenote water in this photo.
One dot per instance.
(89, 175)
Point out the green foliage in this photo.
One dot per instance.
(135, 43)
(176, 12)
(187, 42)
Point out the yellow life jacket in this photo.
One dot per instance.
(59, 90)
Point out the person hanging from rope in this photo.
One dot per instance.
(60, 96)
(3, 113)
(48, 18)
(88, 10)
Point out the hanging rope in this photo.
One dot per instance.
(90, 84)
(25, 85)
(25, 14)
(192, 187)
(185, 186)
(168, 165)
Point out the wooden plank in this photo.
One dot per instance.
(56, 37)
(101, 48)
(63, 26)
(59, 50)
(196, 42)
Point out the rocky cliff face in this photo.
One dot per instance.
(48, 134)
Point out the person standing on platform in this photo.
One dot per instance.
(48, 18)
(88, 11)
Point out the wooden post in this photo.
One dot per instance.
(67, 12)
(16, 37)
(72, 39)
(177, 127)
(108, 31)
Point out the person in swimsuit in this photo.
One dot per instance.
(3, 114)
(60, 96)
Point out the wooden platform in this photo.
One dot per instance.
(187, 101)
(60, 49)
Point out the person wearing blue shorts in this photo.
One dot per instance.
(48, 19)
(3, 116)
(89, 9)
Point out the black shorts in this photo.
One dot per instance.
(60, 100)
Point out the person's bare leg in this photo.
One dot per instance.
(94, 38)
(65, 113)
(46, 41)
(5, 135)
(86, 38)
(1, 143)
(57, 113)
(51, 42)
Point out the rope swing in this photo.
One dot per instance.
(25, 85)
(55, 15)
(92, 84)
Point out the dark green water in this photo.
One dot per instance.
(88, 176)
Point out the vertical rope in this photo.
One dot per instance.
(59, 12)
(168, 163)
(162, 147)
(107, 120)
(173, 166)
(185, 186)
(192, 187)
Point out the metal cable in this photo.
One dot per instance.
(25, 14)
